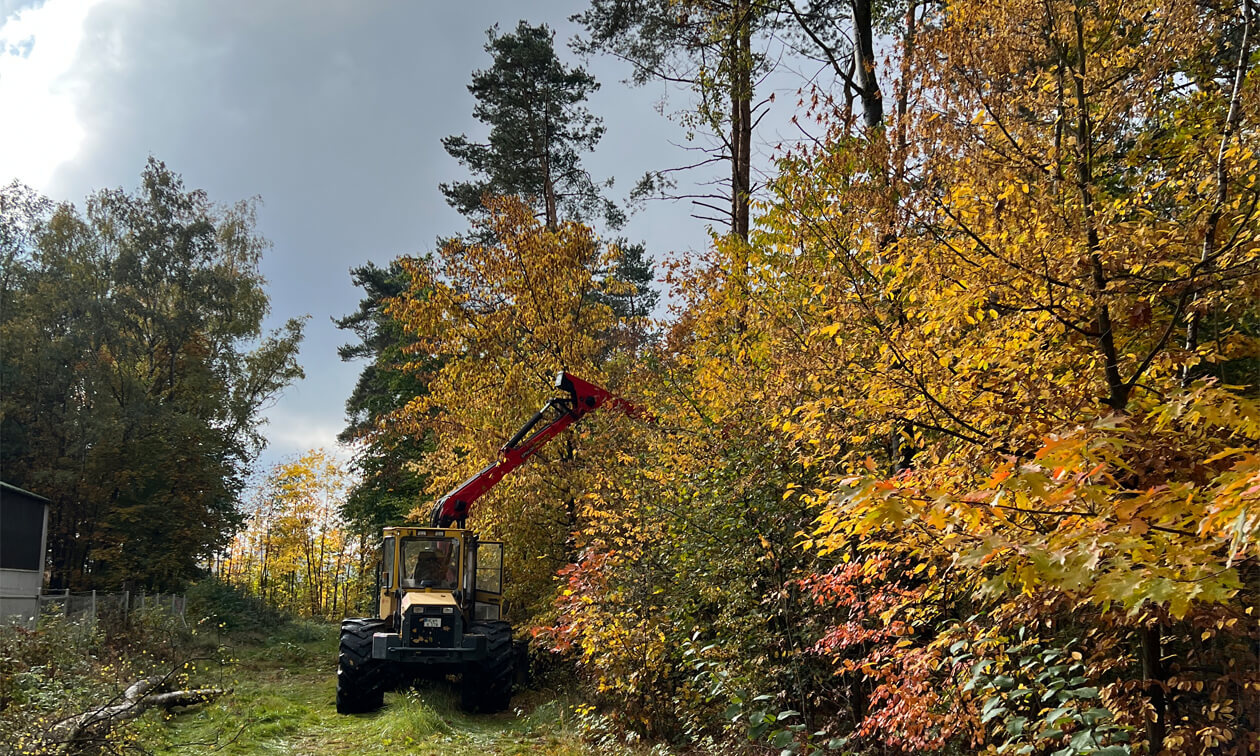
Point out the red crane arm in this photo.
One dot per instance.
(582, 399)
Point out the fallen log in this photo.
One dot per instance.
(137, 700)
(137, 689)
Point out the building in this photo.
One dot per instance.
(23, 544)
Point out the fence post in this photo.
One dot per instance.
(66, 601)
(142, 599)
(126, 605)
(93, 606)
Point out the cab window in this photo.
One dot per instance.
(387, 563)
(429, 563)
(490, 567)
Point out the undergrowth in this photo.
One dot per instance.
(281, 672)
(63, 668)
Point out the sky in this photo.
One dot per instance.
(330, 112)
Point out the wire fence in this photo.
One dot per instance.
(99, 606)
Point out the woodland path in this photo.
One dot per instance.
(283, 704)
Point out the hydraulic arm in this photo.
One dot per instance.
(581, 399)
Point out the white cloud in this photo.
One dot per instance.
(291, 434)
(40, 130)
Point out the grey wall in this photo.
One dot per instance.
(23, 539)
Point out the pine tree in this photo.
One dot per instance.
(387, 487)
(539, 131)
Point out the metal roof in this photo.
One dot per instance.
(23, 491)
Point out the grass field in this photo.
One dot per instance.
(282, 703)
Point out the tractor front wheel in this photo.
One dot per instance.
(487, 684)
(361, 680)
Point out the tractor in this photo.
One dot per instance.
(441, 587)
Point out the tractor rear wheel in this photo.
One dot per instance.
(361, 680)
(487, 684)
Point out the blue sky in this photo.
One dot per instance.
(330, 112)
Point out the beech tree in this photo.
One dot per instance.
(1018, 283)
(496, 321)
(1057, 230)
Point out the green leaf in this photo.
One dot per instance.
(1081, 740)
(1054, 716)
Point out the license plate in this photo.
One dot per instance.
(432, 621)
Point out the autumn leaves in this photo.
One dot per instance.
(960, 443)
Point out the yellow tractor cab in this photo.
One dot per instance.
(430, 577)
(441, 612)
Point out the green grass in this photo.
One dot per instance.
(282, 703)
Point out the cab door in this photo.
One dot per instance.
(488, 590)
(386, 580)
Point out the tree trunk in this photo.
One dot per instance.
(864, 50)
(739, 54)
(363, 560)
(549, 183)
(264, 566)
(1153, 674)
(1117, 390)
(903, 90)
(741, 120)
(549, 198)
(136, 700)
(1232, 117)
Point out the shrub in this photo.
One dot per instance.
(229, 607)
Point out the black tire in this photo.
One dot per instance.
(361, 680)
(487, 685)
(520, 675)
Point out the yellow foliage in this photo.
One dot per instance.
(499, 320)
(294, 552)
